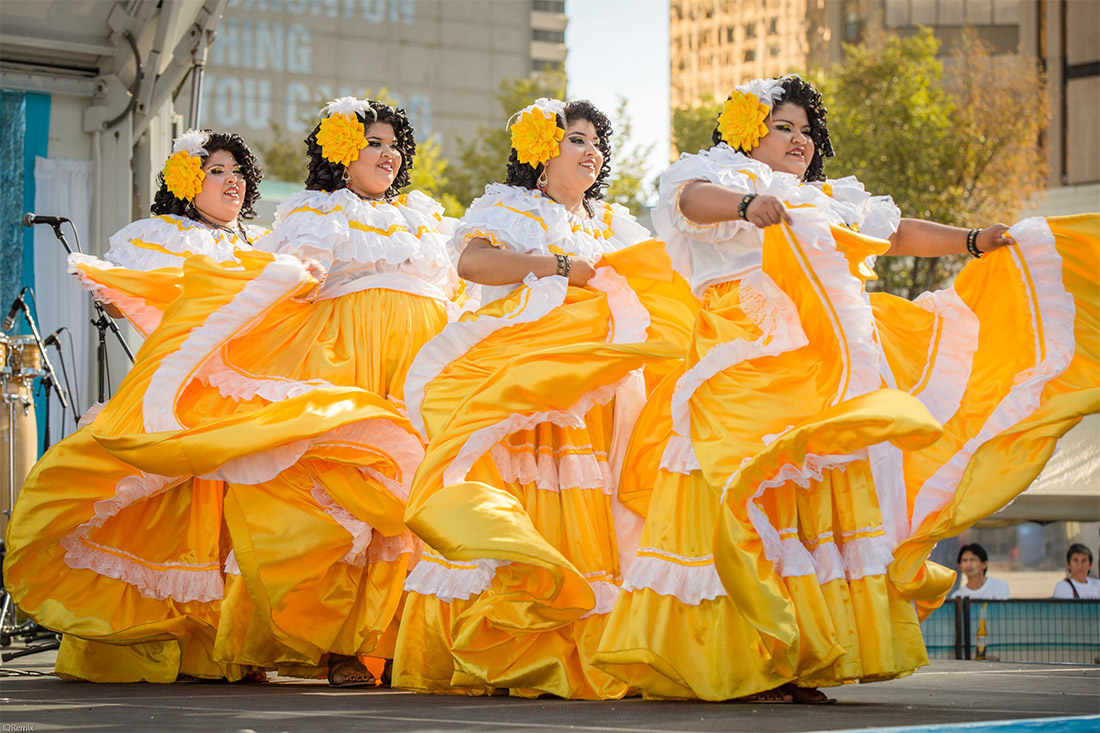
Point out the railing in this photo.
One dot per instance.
(1017, 630)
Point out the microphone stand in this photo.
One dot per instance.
(103, 323)
(49, 376)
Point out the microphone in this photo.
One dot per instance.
(53, 340)
(29, 220)
(16, 306)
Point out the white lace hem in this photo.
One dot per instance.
(1053, 313)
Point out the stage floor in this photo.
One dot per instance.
(947, 693)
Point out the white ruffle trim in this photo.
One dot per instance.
(812, 469)
(339, 227)
(550, 472)
(606, 594)
(951, 353)
(713, 166)
(359, 530)
(1053, 313)
(629, 318)
(691, 580)
(481, 441)
(182, 582)
(436, 576)
(773, 312)
(526, 221)
(679, 456)
(844, 295)
(279, 280)
(374, 437)
(236, 384)
(866, 556)
(449, 580)
(143, 316)
(541, 297)
(178, 238)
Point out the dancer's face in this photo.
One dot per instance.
(574, 169)
(223, 189)
(972, 566)
(788, 146)
(374, 171)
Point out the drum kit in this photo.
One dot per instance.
(21, 362)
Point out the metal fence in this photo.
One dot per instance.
(1017, 630)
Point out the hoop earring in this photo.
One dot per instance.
(541, 182)
(345, 178)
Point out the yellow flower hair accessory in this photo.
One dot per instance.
(183, 173)
(341, 134)
(741, 123)
(536, 135)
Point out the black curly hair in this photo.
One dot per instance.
(324, 175)
(800, 92)
(165, 202)
(523, 175)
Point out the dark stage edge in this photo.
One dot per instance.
(944, 693)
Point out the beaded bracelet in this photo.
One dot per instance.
(743, 207)
(564, 265)
(972, 243)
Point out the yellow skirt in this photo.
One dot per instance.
(820, 442)
(525, 403)
(236, 515)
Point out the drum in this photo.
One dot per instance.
(5, 354)
(18, 436)
(26, 358)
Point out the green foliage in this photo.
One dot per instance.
(956, 147)
(429, 175)
(484, 158)
(931, 140)
(284, 158)
(693, 125)
(628, 164)
(890, 120)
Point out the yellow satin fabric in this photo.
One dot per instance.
(1001, 468)
(526, 631)
(295, 601)
(768, 629)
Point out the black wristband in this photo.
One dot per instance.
(743, 207)
(972, 243)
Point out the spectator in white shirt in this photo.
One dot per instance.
(973, 562)
(1078, 584)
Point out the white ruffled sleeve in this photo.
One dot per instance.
(720, 165)
(512, 218)
(625, 229)
(339, 227)
(876, 216)
(166, 241)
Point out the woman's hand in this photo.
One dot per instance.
(580, 271)
(993, 237)
(316, 270)
(767, 210)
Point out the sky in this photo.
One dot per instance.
(620, 48)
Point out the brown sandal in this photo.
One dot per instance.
(807, 695)
(346, 671)
(777, 696)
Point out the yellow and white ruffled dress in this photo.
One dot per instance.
(528, 404)
(140, 273)
(238, 504)
(819, 440)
